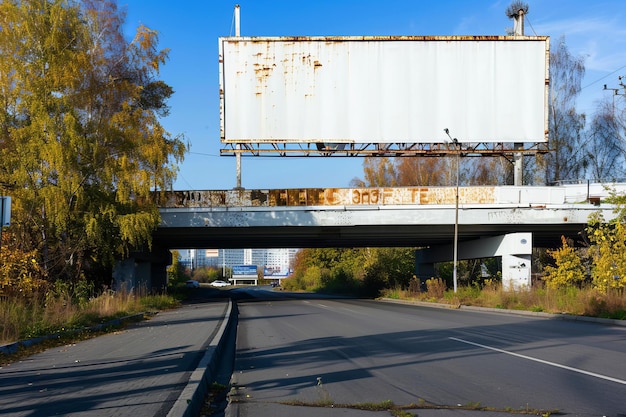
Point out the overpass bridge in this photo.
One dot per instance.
(422, 217)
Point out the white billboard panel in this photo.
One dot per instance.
(384, 89)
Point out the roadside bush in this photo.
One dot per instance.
(569, 270)
(176, 273)
(435, 288)
(608, 246)
(611, 305)
(21, 275)
(415, 287)
(206, 274)
(465, 294)
(308, 279)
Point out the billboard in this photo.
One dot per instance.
(244, 270)
(384, 89)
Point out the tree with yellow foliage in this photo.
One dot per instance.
(80, 140)
(608, 251)
(569, 269)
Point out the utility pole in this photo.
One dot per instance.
(238, 146)
(455, 255)
(518, 157)
(616, 91)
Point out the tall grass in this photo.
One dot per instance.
(23, 318)
(572, 300)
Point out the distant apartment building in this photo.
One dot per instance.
(279, 261)
(275, 262)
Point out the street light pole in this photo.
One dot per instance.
(456, 219)
(455, 255)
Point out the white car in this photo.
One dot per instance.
(192, 283)
(219, 283)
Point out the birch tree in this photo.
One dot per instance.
(568, 159)
(377, 172)
(606, 146)
(607, 248)
(81, 143)
(432, 171)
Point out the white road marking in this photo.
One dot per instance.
(530, 358)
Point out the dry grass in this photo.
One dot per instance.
(24, 318)
(576, 301)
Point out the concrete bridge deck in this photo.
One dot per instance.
(492, 221)
(360, 217)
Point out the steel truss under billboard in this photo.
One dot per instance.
(391, 96)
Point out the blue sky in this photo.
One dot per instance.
(191, 28)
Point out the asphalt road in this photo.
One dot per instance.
(321, 351)
(296, 353)
(136, 372)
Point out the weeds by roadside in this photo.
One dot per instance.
(217, 393)
(60, 339)
(25, 318)
(326, 401)
(572, 300)
(397, 410)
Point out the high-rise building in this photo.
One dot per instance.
(275, 262)
(278, 261)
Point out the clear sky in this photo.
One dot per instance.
(191, 28)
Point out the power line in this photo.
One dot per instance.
(184, 179)
(591, 83)
(203, 154)
(602, 78)
(530, 24)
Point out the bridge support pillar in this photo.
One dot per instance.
(515, 249)
(143, 270)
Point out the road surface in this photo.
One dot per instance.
(318, 352)
(136, 372)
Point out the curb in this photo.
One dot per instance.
(562, 316)
(190, 400)
(13, 347)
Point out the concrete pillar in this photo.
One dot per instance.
(424, 268)
(514, 248)
(143, 271)
(516, 272)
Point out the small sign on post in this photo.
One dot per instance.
(5, 211)
(5, 214)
